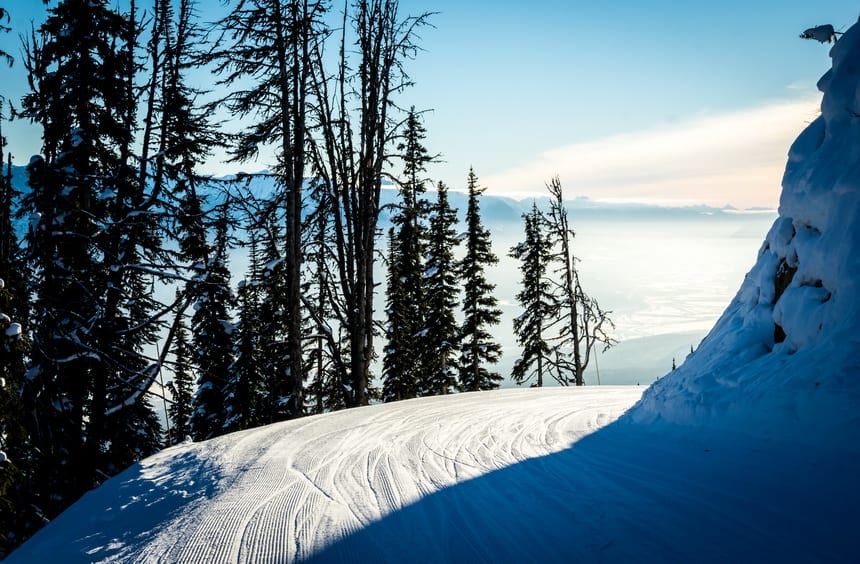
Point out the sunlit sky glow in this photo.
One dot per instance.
(659, 102)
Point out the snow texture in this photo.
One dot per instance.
(286, 491)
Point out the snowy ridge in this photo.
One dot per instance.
(784, 352)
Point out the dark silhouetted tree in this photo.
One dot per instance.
(480, 309)
(538, 302)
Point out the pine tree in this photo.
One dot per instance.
(324, 366)
(442, 292)
(213, 336)
(480, 309)
(181, 387)
(269, 48)
(242, 392)
(18, 520)
(86, 240)
(408, 334)
(398, 358)
(537, 300)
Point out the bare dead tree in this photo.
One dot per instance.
(582, 323)
(353, 132)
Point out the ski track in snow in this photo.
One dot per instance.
(286, 491)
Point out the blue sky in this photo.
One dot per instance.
(663, 102)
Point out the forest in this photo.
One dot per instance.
(100, 370)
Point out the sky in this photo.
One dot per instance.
(661, 102)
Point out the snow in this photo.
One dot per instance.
(288, 490)
(13, 330)
(747, 452)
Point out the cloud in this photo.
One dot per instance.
(735, 158)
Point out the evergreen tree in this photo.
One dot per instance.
(269, 49)
(86, 241)
(480, 309)
(442, 292)
(242, 392)
(408, 332)
(181, 387)
(18, 520)
(213, 336)
(398, 359)
(274, 326)
(324, 366)
(537, 301)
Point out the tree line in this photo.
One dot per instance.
(116, 208)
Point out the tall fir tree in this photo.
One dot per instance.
(18, 520)
(325, 369)
(480, 306)
(398, 379)
(537, 301)
(89, 373)
(407, 288)
(267, 46)
(243, 391)
(181, 387)
(442, 283)
(213, 336)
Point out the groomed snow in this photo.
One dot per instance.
(286, 491)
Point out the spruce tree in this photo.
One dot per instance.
(18, 520)
(242, 392)
(181, 387)
(442, 283)
(324, 366)
(398, 358)
(267, 47)
(406, 259)
(537, 301)
(87, 238)
(480, 309)
(213, 336)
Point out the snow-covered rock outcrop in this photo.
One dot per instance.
(786, 349)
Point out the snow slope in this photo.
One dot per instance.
(285, 491)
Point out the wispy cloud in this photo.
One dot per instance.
(735, 158)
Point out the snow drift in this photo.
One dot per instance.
(785, 351)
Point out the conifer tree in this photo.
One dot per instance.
(407, 299)
(242, 392)
(537, 300)
(86, 240)
(480, 309)
(268, 45)
(213, 336)
(325, 369)
(442, 283)
(398, 359)
(18, 520)
(181, 387)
